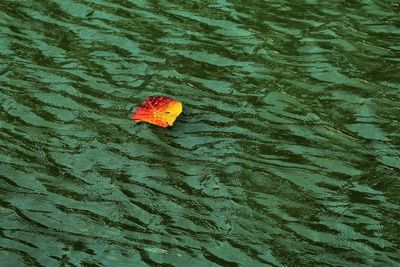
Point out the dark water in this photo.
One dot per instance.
(287, 154)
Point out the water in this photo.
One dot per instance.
(287, 153)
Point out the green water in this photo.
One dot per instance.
(287, 153)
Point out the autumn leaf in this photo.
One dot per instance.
(158, 110)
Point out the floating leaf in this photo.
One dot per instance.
(158, 110)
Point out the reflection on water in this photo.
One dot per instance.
(287, 153)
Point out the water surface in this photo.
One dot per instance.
(287, 153)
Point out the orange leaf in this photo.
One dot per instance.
(158, 110)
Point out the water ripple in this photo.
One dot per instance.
(287, 152)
